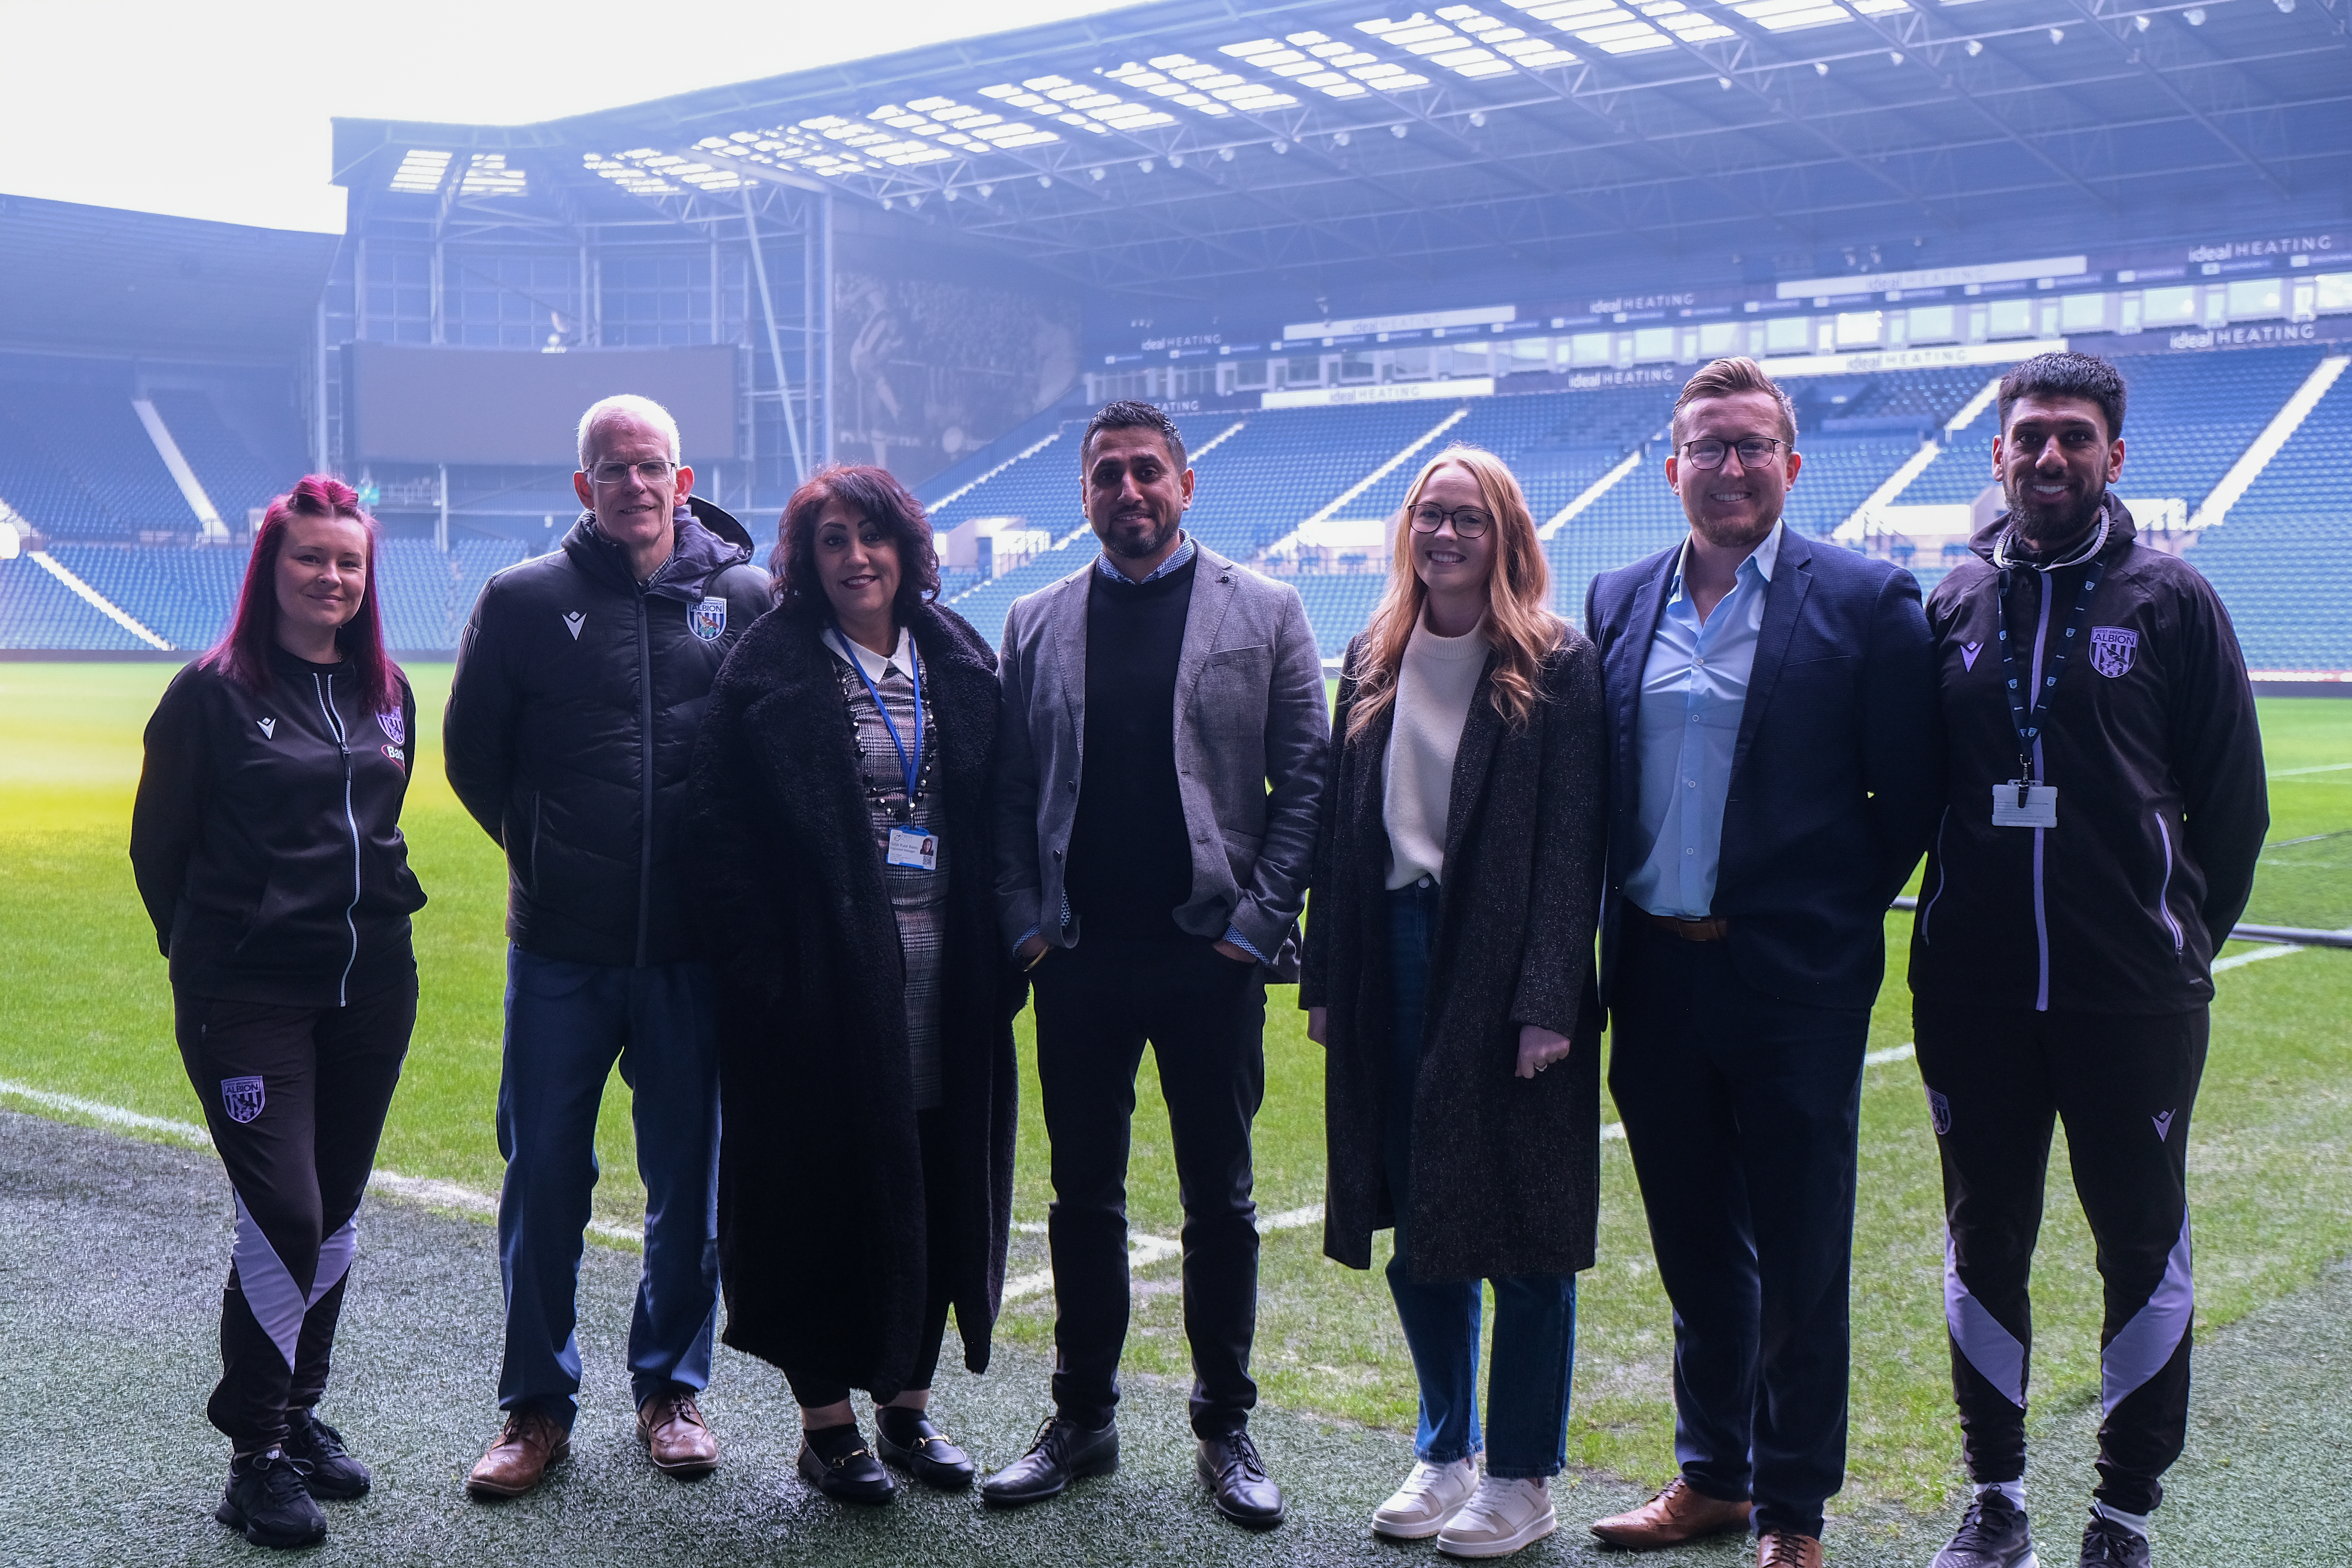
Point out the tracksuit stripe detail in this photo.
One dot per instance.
(1992, 1350)
(278, 1304)
(2164, 890)
(2144, 1345)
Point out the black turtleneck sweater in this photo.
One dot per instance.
(1130, 863)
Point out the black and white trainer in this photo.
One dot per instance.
(2106, 1545)
(266, 1499)
(1992, 1534)
(330, 1472)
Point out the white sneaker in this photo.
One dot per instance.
(1430, 1496)
(1501, 1517)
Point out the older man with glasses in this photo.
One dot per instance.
(580, 683)
(1772, 708)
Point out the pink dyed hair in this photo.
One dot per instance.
(243, 652)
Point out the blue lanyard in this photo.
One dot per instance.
(907, 768)
(2029, 723)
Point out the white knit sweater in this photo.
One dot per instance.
(1432, 702)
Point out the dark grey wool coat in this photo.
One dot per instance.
(1506, 1173)
(821, 1221)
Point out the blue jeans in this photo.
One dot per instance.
(1535, 1315)
(566, 1026)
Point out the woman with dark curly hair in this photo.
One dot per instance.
(865, 1005)
(266, 846)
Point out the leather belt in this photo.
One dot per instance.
(1714, 927)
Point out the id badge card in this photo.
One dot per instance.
(913, 846)
(2040, 810)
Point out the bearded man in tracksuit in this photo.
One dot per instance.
(2098, 841)
(580, 683)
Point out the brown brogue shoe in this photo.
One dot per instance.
(531, 1441)
(1787, 1549)
(1677, 1514)
(675, 1435)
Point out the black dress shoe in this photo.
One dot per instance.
(836, 1462)
(1237, 1481)
(1063, 1453)
(909, 1439)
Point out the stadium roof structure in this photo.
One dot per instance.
(1167, 149)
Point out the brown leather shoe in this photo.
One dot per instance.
(1677, 1514)
(673, 1432)
(531, 1441)
(1787, 1549)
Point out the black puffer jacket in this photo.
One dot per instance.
(571, 724)
(266, 839)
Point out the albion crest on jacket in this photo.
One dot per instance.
(709, 620)
(2112, 648)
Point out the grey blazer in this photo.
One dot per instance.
(1252, 727)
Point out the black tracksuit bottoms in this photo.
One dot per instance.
(1997, 1078)
(1204, 1016)
(295, 1098)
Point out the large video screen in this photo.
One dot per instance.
(409, 404)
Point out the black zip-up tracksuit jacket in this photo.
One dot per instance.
(2152, 743)
(265, 839)
(572, 721)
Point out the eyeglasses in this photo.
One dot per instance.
(652, 471)
(1752, 450)
(1469, 521)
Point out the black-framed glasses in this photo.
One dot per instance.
(652, 471)
(1752, 450)
(1469, 521)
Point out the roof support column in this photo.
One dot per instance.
(775, 347)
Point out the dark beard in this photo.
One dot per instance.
(1150, 545)
(2047, 530)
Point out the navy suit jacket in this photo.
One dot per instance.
(1837, 771)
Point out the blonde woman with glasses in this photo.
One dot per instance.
(1448, 971)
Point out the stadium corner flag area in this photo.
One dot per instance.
(1328, 245)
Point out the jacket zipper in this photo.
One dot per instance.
(335, 728)
(645, 773)
(2164, 890)
(2040, 912)
(1943, 877)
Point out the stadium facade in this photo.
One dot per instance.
(1328, 240)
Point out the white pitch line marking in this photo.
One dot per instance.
(1142, 1251)
(2280, 951)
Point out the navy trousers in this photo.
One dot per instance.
(567, 1023)
(1741, 1112)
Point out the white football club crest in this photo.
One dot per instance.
(2112, 648)
(268, 728)
(242, 1098)
(574, 620)
(708, 619)
(395, 727)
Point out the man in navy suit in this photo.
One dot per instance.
(1771, 704)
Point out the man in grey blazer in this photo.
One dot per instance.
(1161, 756)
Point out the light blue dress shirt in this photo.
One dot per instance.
(1693, 686)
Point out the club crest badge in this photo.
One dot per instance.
(1940, 1112)
(2112, 648)
(242, 1098)
(395, 727)
(708, 619)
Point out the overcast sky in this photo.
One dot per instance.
(219, 109)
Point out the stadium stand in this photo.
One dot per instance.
(235, 479)
(39, 612)
(182, 593)
(113, 484)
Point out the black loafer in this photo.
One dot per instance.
(1062, 1453)
(333, 1474)
(836, 1462)
(1237, 1481)
(909, 1439)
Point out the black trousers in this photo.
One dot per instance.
(939, 1253)
(1741, 1112)
(1204, 1015)
(295, 1098)
(1997, 1080)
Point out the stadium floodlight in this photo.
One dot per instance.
(2194, 16)
(1895, 56)
(1397, 131)
(2057, 35)
(2140, 21)
(1281, 147)
(1478, 117)
(1044, 181)
(1976, 46)
(1095, 173)
(1225, 154)
(1820, 67)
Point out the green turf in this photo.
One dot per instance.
(84, 1010)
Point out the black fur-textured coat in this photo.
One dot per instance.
(821, 1221)
(1505, 1171)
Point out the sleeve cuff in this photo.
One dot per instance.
(1234, 934)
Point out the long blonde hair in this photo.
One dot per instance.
(1518, 583)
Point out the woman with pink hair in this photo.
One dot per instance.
(267, 851)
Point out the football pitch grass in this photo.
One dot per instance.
(85, 1013)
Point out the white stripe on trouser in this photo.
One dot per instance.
(1992, 1350)
(2148, 1341)
(278, 1304)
